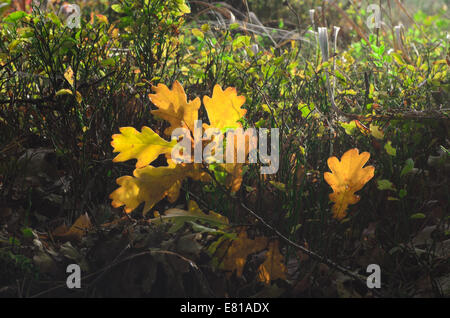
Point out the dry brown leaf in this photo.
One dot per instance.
(76, 231)
(273, 267)
(240, 249)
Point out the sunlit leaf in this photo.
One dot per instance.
(76, 231)
(144, 146)
(347, 176)
(273, 267)
(149, 185)
(349, 127)
(68, 75)
(224, 108)
(174, 107)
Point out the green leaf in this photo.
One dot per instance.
(305, 109)
(117, 8)
(389, 149)
(16, 15)
(418, 216)
(14, 241)
(385, 184)
(55, 19)
(349, 127)
(27, 232)
(398, 58)
(409, 165)
(350, 92)
(234, 26)
(279, 185)
(183, 7)
(108, 62)
(198, 33)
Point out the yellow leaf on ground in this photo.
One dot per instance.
(239, 250)
(224, 108)
(174, 107)
(347, 176)
(76, 231)
(273, 267)
(144, 146)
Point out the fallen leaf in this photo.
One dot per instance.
(149, 185)
(76, 231)
(273, 267)
(236, 254)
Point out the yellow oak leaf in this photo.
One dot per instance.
(152, 184)
(347, 176)
(240, 248)
(224, 108)
(273, 267)
(149, 185)
(144, 146)
(174, 107)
